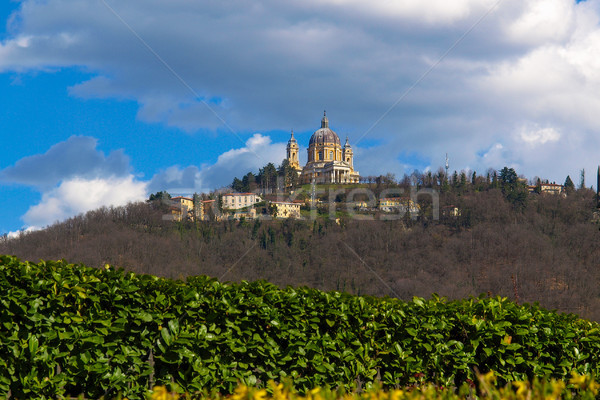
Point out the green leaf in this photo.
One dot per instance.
(144, 316)
(33, 345)
(94, 339)
(174, 327)
(166, 336)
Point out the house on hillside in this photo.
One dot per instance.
(205, 209)
(398, 204)
(547, 188)
(181, 208)
(239, 214)
(284, 209)
(237, 201)
(552, 188)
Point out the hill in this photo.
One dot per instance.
(544, 249)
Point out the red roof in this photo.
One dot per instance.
(181, 197)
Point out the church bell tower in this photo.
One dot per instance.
(292, 152)
(347, 154)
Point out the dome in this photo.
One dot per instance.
(324, 135)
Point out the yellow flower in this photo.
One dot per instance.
(593, 386)
(260, 395)
(522, 389)
(396, 394)
(159, 393)
(241, 392)
(557, 388)
(279, 392)
(578, 380)
(489, 378)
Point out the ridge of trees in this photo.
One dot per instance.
(529, 247)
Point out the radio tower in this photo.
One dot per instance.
(447, 165)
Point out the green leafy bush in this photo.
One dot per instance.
(70, 329)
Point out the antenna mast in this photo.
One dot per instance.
(447, 165)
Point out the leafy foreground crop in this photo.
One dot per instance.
(579, 387)
(68, 329)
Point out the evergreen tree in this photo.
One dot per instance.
(463, 181)
(538, 186)
(288, 174)
(495, 184)
(237, 185)
(249, 182)
(267, 177)
(160, 196)
(569, 185)
(513, 189)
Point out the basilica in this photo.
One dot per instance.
(328, 160)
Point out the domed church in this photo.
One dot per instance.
(328, 161)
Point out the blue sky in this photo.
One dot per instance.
(104, 102)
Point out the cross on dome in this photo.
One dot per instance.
(324, 121)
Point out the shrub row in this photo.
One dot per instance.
(68, 329)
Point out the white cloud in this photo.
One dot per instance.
(76, 196)
(543, 21)
(257, 152)
(77, 157)
(274, 65)
(16, 234)
(74, 177)
(538, 136)
(433, 11)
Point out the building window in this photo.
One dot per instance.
(320, 156)
(331, 155)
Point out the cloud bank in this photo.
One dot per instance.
(75, 157)
(73, 182)
(77, 195)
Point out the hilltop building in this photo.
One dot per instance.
(181, 208)
(399, 204)
(236, 201)
(285, 209)
(328, 160)
(547, 188)
(184, 209)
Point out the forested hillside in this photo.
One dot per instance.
(542, 248)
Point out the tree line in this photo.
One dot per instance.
(505, 241)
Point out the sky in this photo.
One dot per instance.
(104, 102)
